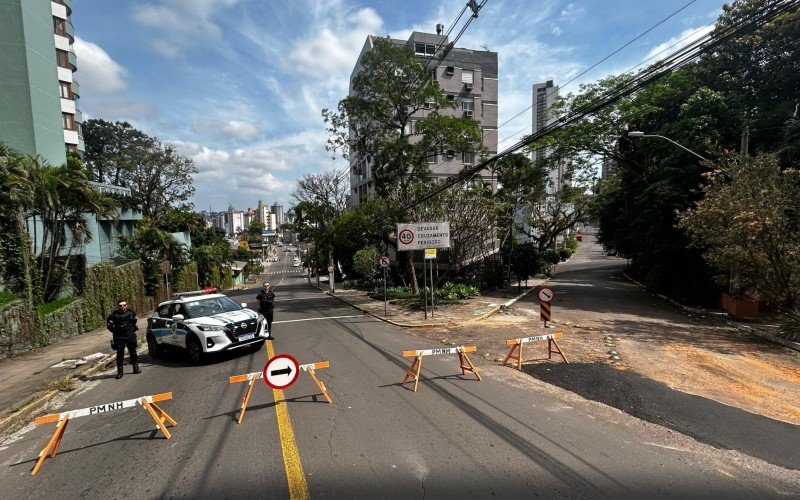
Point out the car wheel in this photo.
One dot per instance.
(153, 348)
(195, 350)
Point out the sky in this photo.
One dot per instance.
(239, 85)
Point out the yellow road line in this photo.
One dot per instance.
(298, 488)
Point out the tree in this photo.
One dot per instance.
(157, 175)
(152, 246)
(365, 262)
(758, 240)
(375, 120)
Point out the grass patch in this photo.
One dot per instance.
(54, 306)
(65, 384)
(7, 297)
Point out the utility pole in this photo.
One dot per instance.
(331, 285)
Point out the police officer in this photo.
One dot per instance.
(122, 325)
(266, 305)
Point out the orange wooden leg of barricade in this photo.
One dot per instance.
(245, 399)
(417, 363)
(462, 356)
(159, 420)
(518, 357)
(164, 416)
(52, 445)
(550, 350)
(320, 385)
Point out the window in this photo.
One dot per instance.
(60, 26)
(68, 120)
(62, 59)
(71, 148)
(424, 49)
(466, 76)
(431, 157)
(66, 90)
(433, 74)
(468, 157)
(429, 102)
(467, 105)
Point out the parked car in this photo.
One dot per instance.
(200, 323)
(296, 262)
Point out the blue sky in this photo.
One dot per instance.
(238, 85)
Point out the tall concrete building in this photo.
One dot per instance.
(468, 78)
(277, 209)
(544, 96)
(38, 94)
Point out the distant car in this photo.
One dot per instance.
(287, 250)
(296, 262)
(200, 324)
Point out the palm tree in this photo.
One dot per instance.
(63, 201)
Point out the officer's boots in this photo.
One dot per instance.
(136, 368)
(119, 373)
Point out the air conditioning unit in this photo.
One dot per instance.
(469, 112)
(468, 85)
(450, 70)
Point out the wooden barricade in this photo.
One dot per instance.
(251, 378)
(416, 365)
(160, 417)
(516, 344)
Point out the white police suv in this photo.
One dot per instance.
(201, 323)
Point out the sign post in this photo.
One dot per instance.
(546, 296)
(384, 262)
(430, 254)
(427, 236)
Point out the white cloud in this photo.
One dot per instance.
(98, 72)
(233, 129)
(676, 43)
(181, 23)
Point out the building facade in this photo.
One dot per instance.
(468, 78)
(544, 96)
(38, 94)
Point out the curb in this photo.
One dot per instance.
(738, 326)
(42, 396)
(395, 323)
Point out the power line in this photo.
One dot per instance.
(656, 71)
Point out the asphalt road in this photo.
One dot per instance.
(507, 436)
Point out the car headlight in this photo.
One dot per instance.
(210, 328)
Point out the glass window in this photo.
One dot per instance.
(69, 121)
(468, 157)
(60, 26)
(163, 311)
(431, 157)
(467, 105)
(66, 90)
(430, 50)
(419, 49)
(62, 59)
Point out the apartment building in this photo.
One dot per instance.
(468, 77)
(544, 96)
(38, 94)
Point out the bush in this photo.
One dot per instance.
(365, 262)
(565, 253)
(50, 307)
(571, 243)
(456, 291)
(6, 297)
(366, 284)
(789, 328)
(550, 257)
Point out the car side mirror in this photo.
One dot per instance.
(178, 317)
(244, 305)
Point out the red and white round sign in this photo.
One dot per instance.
(281, 371)
(406, 236)
(546, 294)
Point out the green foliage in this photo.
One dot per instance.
(7, 296)
(571, 243)
(456, 291)
(185, 280)
(365, 262)
(758, 240)
(789, 328)
(565, 253)
(50, 307)
(152, 246)
(227, 278)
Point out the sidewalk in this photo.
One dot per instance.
(29, 380)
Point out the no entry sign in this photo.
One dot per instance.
(281, 371)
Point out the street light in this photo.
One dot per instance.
(638, 135)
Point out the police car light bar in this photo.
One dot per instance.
(189, 294)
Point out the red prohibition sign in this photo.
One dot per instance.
(281, 371)
(406, 236)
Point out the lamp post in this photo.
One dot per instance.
(638, 135)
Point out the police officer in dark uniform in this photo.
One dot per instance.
(122, 325)
(266, 305)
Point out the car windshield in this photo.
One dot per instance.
(211, 306)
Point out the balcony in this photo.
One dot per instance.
(73, 61)
(76, 89)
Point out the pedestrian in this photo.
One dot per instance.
(122, 325)
(266, 304)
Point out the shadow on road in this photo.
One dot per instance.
(706, 420)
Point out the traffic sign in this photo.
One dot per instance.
(430, 253)
(422, 235)
(546, 294)
(281, 371)
(384, 261)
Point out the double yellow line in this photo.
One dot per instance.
(298, 488)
